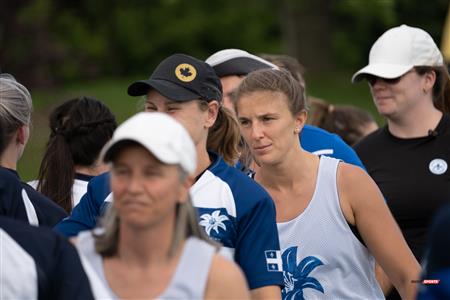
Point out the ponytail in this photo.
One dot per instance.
(224, 136)
(57, 167)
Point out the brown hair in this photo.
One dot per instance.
(347, 121)
(224, 135)
(441, 88)
(276, 81)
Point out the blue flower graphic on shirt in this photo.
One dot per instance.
(296, 276)
(213, 221)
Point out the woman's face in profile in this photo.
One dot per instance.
(145, 190)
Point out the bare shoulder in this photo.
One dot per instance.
(357, 191)
(353, 179)
(226, 280)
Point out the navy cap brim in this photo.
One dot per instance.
(166, 88)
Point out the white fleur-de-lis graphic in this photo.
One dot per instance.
(213, 221)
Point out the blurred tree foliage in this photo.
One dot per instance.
(46, 42)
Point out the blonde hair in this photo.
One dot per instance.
(15, 106)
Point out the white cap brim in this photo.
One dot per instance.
(388, 71)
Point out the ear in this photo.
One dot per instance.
(429, 80)
(300, 121)
(184, 189)
(22, 135)
(213, 111)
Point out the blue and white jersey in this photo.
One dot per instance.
(321, 142)
(232, 208)
(20, 201)
(37, 263)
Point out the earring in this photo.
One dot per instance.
(425, 91)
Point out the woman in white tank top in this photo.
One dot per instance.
(319, 202)
(150, 245)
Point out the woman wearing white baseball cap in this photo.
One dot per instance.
(408, 158)
(150, 232)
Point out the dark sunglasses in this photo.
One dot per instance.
(372, 79)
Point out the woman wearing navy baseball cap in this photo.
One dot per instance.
(232, 208)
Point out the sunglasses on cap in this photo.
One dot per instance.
(372, 79)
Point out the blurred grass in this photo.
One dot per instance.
(334, 87)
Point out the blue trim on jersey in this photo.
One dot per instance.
(84, 215)
(314, 139)
(244, 208)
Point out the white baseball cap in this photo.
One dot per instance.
(160, 134)
(237, 62)
(398, 50)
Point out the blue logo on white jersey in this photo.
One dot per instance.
(213, 221)
(296, 276)
(273, 260)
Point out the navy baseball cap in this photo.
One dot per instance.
(181, 77)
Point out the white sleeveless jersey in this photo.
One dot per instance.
(322, 258)
(188, 282)
(79, 187)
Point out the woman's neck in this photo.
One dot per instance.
(416, 123)
(144, 247)
(9, 158)
(203, 160)
(288, 172)
(93, 170)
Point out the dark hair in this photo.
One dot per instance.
(79, 128)
(441, 88)
(275, 81)
(347, 121)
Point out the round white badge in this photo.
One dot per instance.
(438, 166)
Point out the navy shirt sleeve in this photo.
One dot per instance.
(60, 274)
(84, 215)
(70, 279)
(258, 246)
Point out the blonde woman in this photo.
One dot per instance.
(151, 246)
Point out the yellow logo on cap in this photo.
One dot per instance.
(185, 72)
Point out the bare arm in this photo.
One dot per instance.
(266, 292)
(226, 281)
(364, 206)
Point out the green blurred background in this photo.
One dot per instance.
(65, 48)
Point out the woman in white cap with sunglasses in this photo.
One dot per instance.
(408, 158)
(150, 245)
(332, 219)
